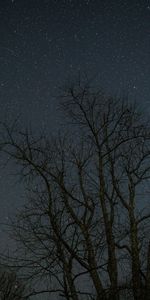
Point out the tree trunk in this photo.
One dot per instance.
(136, 276)
(147, 292)
(112, 261)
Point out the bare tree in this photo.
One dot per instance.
(82, 224)
(11, 287)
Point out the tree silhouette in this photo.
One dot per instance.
(11, 287)
(83, 232)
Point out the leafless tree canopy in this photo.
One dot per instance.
(84, 232)
(10, 287)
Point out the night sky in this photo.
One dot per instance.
(45, 42)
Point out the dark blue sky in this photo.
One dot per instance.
(45, 42)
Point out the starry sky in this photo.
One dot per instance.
(43, 43)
